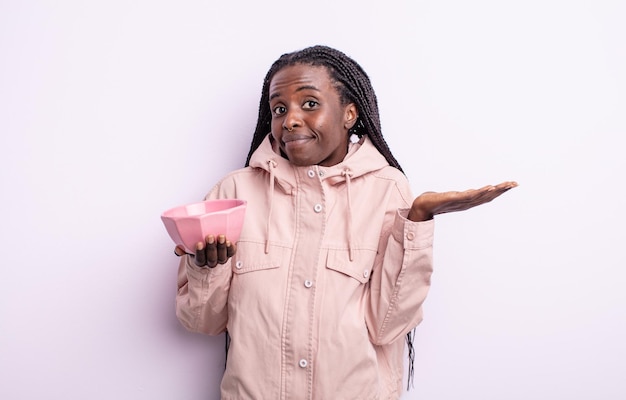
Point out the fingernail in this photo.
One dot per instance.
(221, 239)
(210, 239)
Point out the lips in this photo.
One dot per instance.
(294, 139)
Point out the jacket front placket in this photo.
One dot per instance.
(299, 317)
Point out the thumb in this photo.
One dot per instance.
(179, 251)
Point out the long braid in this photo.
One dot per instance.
(354, 86)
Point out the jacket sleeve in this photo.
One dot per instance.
(202, 297)
(400, 279)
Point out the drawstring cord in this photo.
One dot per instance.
(348, 174)
(271, 164)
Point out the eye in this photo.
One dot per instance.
(279, 110)
(309, 104)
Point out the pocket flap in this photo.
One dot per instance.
(359, 268)
(251, 256)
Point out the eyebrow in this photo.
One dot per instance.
(305, 87)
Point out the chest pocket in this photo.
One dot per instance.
(251, 256)
(360, 268)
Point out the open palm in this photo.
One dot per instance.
(429, 204)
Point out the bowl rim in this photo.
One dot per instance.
(240, 203)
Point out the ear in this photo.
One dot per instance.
(351, 114)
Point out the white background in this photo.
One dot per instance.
(113, 111)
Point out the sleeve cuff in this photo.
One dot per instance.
(200, 273)
(413, 235)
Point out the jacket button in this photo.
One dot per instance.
(238, 264)
(311, 173)
(410, 236)
(308, 284)
(317, 208)
(366, 273)
(303, 363)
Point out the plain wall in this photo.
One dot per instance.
(113, 111)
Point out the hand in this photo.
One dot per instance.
(429, 204)
(211, 252)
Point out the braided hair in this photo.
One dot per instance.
(353, 86)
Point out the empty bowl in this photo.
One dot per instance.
(191, 223)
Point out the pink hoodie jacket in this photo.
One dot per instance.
(328, 278)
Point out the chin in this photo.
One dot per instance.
(299, 161)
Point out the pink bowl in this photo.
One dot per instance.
(191, 223)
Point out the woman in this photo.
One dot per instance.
(335, 258)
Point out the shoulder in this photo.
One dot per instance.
(392, 174)
(233, 182)
(394, 177)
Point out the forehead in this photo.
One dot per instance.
(301, 76)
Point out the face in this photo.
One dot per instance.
(308, 120)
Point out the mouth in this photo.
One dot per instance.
(295, 139)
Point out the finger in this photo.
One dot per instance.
(231, 249)
(500, 189)
(221, 249)
(486, 196)
(211, 251)
(507, 185)
(494, 192)
(200, 258)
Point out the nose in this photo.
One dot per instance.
(292, 120)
